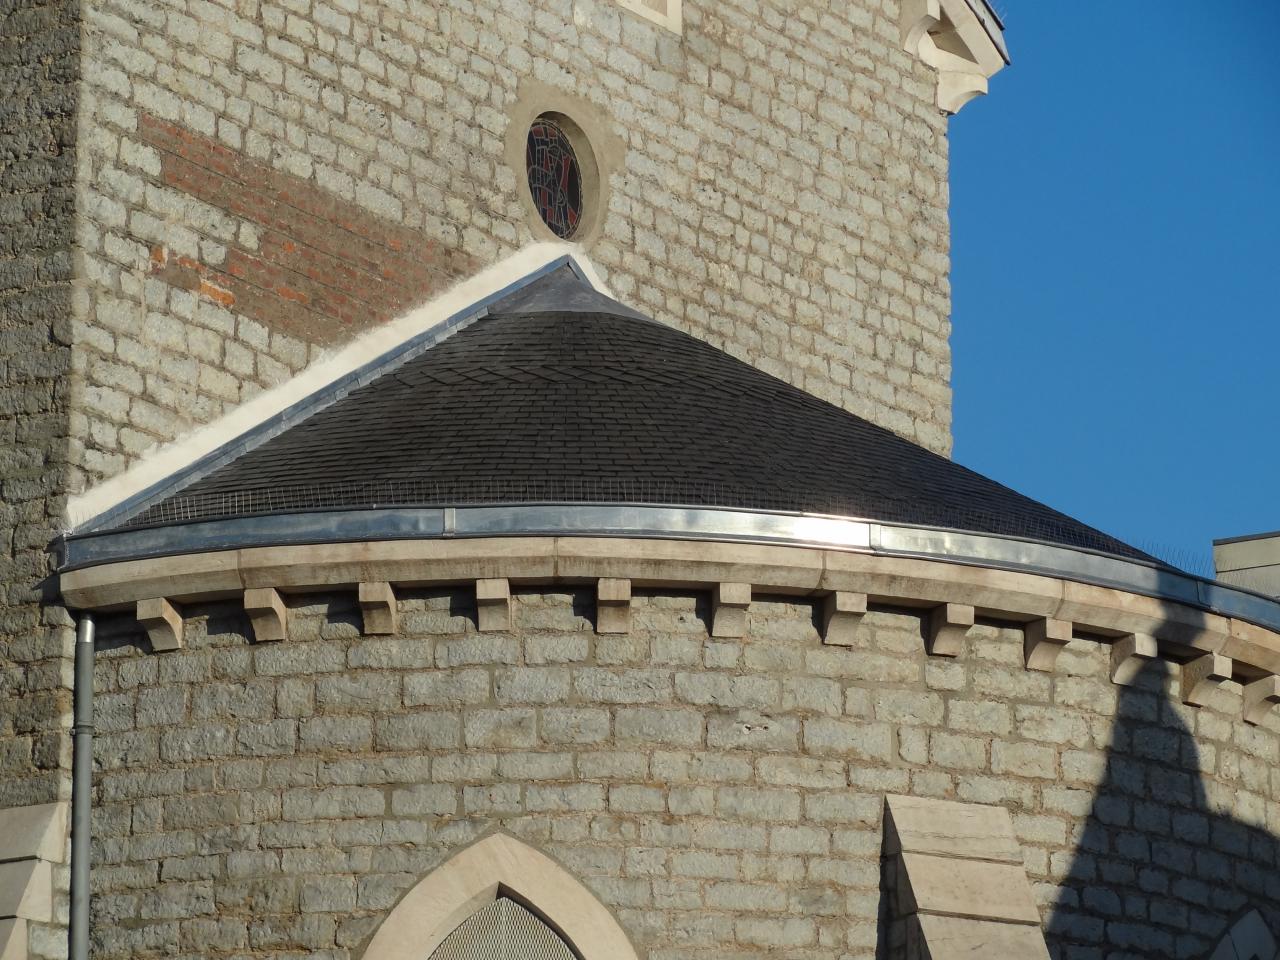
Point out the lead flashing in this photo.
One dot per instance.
(706, 524)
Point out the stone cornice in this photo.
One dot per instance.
(961, 39)
(1053, 609)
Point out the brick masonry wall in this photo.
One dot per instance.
(259, 180)
(723, 798)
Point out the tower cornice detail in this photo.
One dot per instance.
(962, 39)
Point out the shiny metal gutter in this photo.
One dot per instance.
(674, 523)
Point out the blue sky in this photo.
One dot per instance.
(1115, 209)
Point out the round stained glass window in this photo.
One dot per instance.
(555, 178)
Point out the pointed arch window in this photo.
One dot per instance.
(503, 930)
(500, 899)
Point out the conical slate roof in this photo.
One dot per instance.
(562, 395)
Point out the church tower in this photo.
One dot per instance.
(476, 484)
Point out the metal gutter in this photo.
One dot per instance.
(81, 789)
(676, 523)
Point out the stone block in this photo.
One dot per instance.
(267, 613)
(654, 725)
(966, 888)
(729, 605)
(38, 831)
(959, 938)
(613, 605)
(1043, 640)
(947, 628)
(379, 609)
(842, 612)
(493, 605)
(26, 890)
(1024, 760)
(949, 829)
(163, 623)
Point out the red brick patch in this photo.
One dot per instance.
(323, 269)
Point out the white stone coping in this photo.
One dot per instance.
(1181, 631)
(497, 865)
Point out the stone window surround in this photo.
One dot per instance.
(1211, 650)
(598, 148)
(498, 865)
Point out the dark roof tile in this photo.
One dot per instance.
(594, 402)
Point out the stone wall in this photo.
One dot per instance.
(261, 180)
(39, 71)
(723, 797)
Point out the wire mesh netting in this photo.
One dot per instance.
(376, 494)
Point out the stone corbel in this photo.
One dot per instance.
(729, 603)
(613, 605)
(947, 627)
(378, 608)
(1043, 641)
(1203, 675)
(961, 39)
(267, 614)
(1129, 654)
(163, 623)
(919, 18)
(841, 614)
(1260, 697)
(493, 605)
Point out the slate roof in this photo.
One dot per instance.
(563, 395)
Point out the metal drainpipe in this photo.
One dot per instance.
(82, 788)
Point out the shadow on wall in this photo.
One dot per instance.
(1163, 867)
